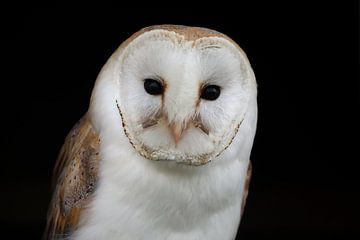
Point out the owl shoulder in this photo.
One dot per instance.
(74, 179)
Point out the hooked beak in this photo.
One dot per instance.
(176, 130)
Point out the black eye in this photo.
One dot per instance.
(153, 87)
(210, 92)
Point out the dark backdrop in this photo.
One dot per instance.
(305, 57)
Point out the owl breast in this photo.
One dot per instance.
(158, 201)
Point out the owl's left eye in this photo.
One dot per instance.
(210, 92)
(153, 87)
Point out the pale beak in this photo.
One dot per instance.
(176, 130)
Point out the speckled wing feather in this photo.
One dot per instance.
(75, 177)
(246, 188)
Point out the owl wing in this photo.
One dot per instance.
(246, 188)
(75, 177)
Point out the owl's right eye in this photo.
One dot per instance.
(153, 87)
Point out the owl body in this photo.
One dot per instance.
(164, 202)
(163, 152)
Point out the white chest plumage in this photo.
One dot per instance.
(150, 200)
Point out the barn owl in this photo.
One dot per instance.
(163, 150)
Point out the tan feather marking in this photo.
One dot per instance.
(189, 34)
(75, 177)
(232, 138)
(246, 188)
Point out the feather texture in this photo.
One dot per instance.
(75, 177)
(246, 188)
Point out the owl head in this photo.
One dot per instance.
(177, 93)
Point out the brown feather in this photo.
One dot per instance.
(246, 187)
(75, 177)
(189, 33)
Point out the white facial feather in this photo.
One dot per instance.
(184, 67)
(142, 199)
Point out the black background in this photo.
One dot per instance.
(305, 58)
